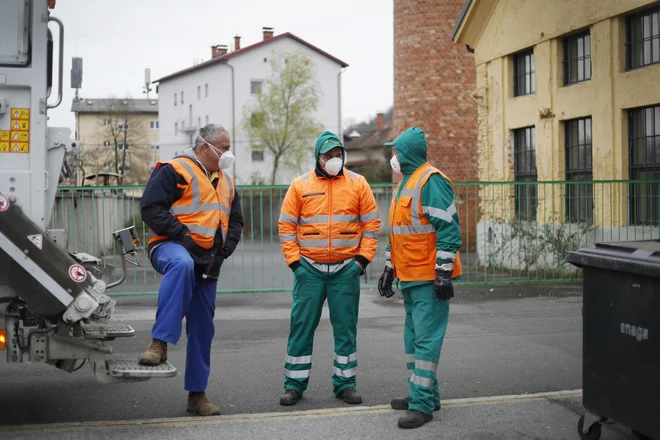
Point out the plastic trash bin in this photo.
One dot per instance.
(621, 336)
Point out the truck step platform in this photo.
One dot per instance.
(107, 331)
(130, 368)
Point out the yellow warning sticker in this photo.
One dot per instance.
(4, 147)
(20, 125)
(20, 147)
(4, 136)
(20, 113)
(20, 136)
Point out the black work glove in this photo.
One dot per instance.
(443, 287)
(385, 282)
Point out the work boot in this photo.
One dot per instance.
(349, 395)
(402, 404)
(414, 419)
(290, 397)
(199, 404)
(155, 354)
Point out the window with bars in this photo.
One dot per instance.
(524, 150)
(577, 58)
(643, 39)
(579, 196)
(644, 164)
(524, 73)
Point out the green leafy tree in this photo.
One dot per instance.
(280, 118)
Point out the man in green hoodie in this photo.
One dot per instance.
(425, 237)
(328, 228)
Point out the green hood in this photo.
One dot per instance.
(326, 142)
(411, 148)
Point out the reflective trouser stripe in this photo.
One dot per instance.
(346, 359)
(425, 365)
(300, 374)
(410, 361)
(346, 373)
(422, 381)
(298, 360)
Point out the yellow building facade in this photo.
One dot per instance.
(567, 91)
(568, 109)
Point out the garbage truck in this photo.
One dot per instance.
(54, 303)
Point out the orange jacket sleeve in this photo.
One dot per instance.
(370, 220)
(288, 224)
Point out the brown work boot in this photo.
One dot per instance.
(155, 354)
(199, 404)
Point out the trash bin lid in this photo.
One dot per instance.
(640, 257)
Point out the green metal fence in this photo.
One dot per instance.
(513, 232)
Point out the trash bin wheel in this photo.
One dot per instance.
(594, 432)
(641, 436)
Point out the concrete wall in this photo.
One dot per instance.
(90, 218)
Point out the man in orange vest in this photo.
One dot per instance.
(190, 205)
(329, 233)
(425, 237)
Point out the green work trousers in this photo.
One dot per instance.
(426, 324)
(310, 289)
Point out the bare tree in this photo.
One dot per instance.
(129, 149)
(281, 117)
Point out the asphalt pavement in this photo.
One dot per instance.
(500, 341)
(548, 416)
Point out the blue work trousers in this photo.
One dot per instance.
(183, 293)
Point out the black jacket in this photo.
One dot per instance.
(159, 195)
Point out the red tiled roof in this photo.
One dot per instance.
(247, 49)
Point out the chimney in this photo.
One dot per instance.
(218, 51)
(268, 33)
(380, 121)
(237, 42)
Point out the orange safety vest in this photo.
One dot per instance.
(329, 221)
(412, 237)
(202, 208)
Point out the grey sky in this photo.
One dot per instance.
(118, 39)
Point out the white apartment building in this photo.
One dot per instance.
(217, 90)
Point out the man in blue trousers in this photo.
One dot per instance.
(194, 215)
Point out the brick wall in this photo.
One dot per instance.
(432, 78)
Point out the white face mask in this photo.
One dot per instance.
(333, 166)
(226, 160)
(394, 163)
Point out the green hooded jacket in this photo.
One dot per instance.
(324, 143)
(437, 193)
